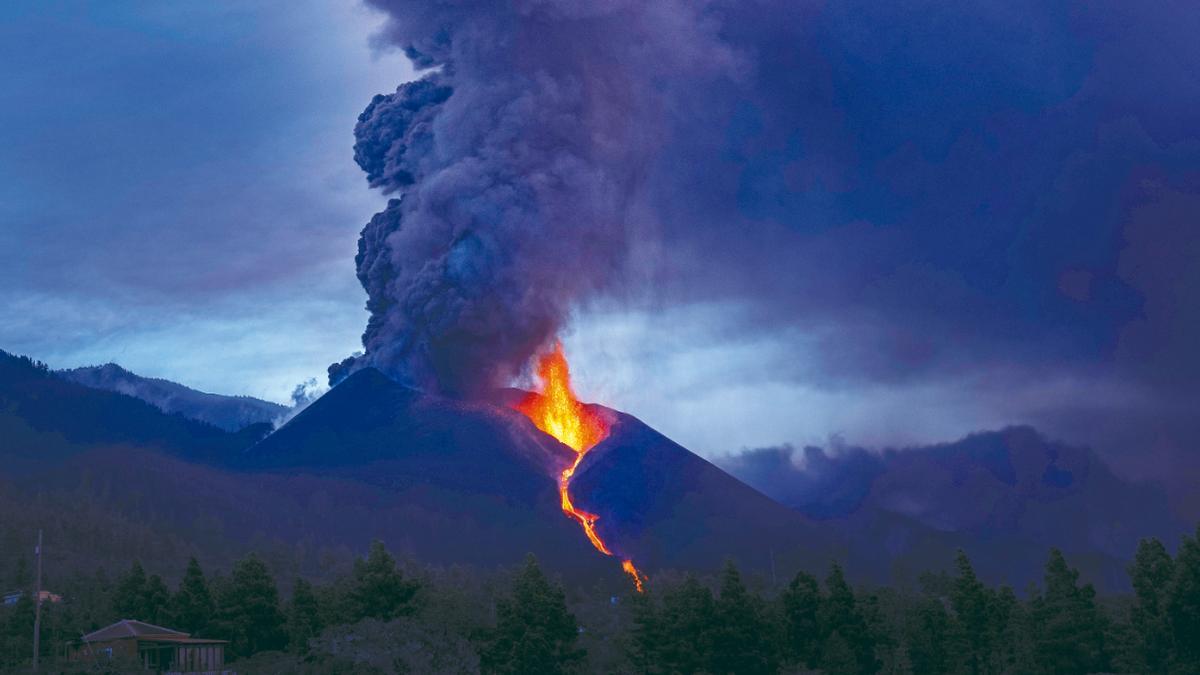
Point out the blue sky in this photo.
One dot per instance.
(177, 189)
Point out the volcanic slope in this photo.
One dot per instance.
(484, 480)
(459, 482)
(442, 481)
(665, 507)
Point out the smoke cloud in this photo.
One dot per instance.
(520, 162)
(906, 195)
(303, 395)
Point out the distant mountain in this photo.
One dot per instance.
(1004, 496)
(227, 412)
(452, 482)
(44, 417)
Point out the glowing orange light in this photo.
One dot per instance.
(632, 571)
(559, 413)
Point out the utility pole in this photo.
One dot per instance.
(37, 611)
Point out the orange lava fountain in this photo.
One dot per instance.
(557, 412)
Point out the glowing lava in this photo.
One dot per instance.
(557, 412)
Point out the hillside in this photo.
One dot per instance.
(44, 417)
(466, 483)
(668, 508)
(230, 413)
(452, 482)
(1005, 497)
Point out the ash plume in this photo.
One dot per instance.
(519, 166)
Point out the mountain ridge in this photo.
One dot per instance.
(455, 482)
(1001, 495)
(231, 413)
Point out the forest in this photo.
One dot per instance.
(383, 615)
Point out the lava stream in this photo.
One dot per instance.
(559, 413)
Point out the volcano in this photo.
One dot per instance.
(481, 484)
(451, 482)
(441, 480)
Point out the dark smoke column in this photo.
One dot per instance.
(520, 166)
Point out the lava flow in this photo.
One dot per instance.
(557, 412)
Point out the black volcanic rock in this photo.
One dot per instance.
(659, 503)
(476, 481)
(369, 417)
(231, 413)
(668, 508)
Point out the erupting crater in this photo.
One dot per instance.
(559, 413)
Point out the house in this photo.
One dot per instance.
(159, 649)
(14, 597)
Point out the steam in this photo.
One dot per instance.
(519, 165)
(303, 395)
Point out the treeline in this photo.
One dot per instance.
(383, 617)
(244, 607)
(957, 624)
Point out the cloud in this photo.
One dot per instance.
(864, 169)
(520, 167)
(756, 222)
(177, 191)
(819, 484)
(890, 220)
(1014, 489)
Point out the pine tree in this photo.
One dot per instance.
(742, 639)
(1012, 653)
(18, 631)
(972, 604)
(248, 613)
(22, 578)
(840, 614)
(93, 602)
(1151, 574)
(1183, 606)
(688, 624)
(1124, 646)
(1069, 628)
(156, 601)
(129, 599)
(193, 604)
(801, 603)
(334, 603)
(304, 617)
(379, 590)
(644, 646)
(837, 656)
(929, 635)
(535, 633)
(880, 635)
